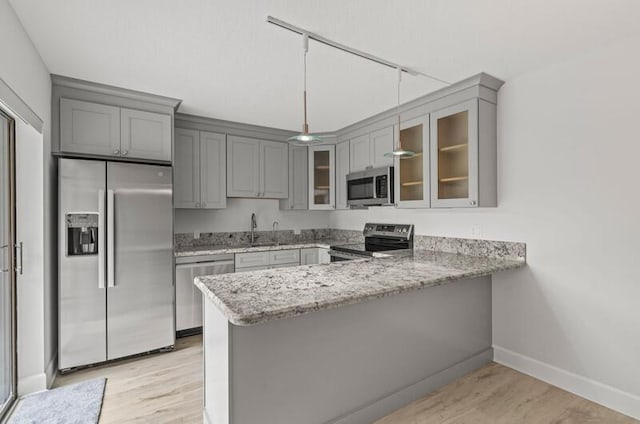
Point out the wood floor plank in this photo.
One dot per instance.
(167, 388)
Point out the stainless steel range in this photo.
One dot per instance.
(385, 238)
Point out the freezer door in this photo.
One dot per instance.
(140, 293)
(82, 298)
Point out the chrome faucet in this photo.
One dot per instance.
(254, 225)
(275, 232)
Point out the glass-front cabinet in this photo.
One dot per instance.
(454, 151)
(412, 173)
(322, 177)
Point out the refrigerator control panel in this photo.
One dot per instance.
(82, 233)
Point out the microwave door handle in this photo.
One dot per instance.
(375, 187)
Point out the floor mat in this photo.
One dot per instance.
(75, 404)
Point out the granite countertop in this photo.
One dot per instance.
(260, 296)
(219, 250)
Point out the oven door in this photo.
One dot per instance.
(339, 256)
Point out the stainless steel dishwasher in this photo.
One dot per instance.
(188, 296)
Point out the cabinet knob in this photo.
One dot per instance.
(125, 152)
(472, 202)
(116, 152)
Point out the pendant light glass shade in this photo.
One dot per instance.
(398, 151)
(305, 137)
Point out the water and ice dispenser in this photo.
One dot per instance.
(82, 234)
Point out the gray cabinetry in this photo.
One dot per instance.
(145, 135)
(213, 170)
(463, 155)
(200, 170)
(89, 128)
(243, 167)
(257, 168)
(186, 164)
(298, 179)
(101, 130)
(342, 169)
(381, 144)
(359, 153)
(274, 170)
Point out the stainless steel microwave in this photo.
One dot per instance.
(371, 187)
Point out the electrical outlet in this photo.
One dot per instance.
(476, 230)
(196, 235)
(296, 231)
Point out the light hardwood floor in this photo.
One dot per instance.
(500, 395)
(159, 388)
(167, 388)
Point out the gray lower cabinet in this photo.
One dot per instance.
(199, 170)
(145, 135)
(298, 179)
(314, 255)
(89, 128)
(96, 129)
(257, 168)
(342, 170)
(272, 259)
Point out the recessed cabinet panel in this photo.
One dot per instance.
(321, 177)
(342, 170)
(359, 153)
(381, 144)
(89, 128)
(243, 167)
(213, 170)
(145, 135)
(412, 173)
(298, 179)
(454, 133)
(186, 177)
(274, 181)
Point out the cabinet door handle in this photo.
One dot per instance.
(116, 152)
(472, 202)
(125, 152)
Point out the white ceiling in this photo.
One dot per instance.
(225, 61)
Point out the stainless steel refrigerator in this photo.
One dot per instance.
(115, 290)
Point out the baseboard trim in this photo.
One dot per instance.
(610, 397)
(32, 384)
(396, 400)
(51, 371)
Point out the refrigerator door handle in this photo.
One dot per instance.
(111, 266)
(101, 244)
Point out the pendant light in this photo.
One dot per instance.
(305, 137)
(398, 151)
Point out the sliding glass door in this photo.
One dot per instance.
(7, 274)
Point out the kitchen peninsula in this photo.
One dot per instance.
(346, 342)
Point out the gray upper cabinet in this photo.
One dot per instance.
(243, 167)
(463, 155)
(342, 169)
(257, 168)
(145, 135)
(186, 164)
(95, 129)
(89, 128)
(199, 170)
(359, 153)
(381, 144)
(274, 170)
(298, 179)
(213, 170)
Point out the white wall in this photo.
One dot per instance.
(237, 217)
(23, 70)
(568, 187)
